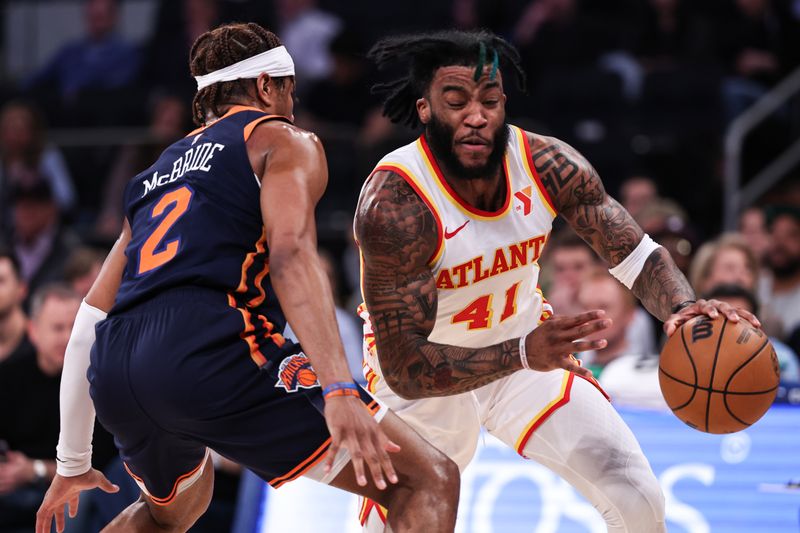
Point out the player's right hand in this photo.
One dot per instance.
(551, 345)
(66, 491)
(351, 425)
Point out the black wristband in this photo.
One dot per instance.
(682, 305)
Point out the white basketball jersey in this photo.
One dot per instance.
(486, 264)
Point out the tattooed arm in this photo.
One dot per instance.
(579, 196)
(397, 235)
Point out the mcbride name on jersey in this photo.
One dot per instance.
(195, 219)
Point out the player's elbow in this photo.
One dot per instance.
(404, 388)
(285, 253)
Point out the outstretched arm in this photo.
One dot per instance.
(295, 169)
(579, 196)
(74, 450)
(397, 235)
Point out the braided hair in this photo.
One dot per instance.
(424, 53)
(219, 48)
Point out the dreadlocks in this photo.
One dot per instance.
(424, 53)
(219, 48)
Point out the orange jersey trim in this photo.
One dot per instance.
(249, 328)
(474, 212)
(174, 492)
(527, 162)
(406, 174)
(247, 334)
(232, 111)
(248, 130)
(312, 460)
(544, 414)
(304, 466)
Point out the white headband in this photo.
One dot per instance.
(276, 62)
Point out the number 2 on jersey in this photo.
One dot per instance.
(149, 258)
(478, 314)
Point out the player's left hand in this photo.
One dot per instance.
(353, 427)
(65, 491)
(711, 308)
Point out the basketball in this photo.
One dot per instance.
(718, 376)
(306, 377)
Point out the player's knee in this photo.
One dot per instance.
(445, 479)
(188, 506)
(641, 502)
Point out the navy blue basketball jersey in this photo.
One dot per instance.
(195, 220)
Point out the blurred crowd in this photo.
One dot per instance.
(644, 88)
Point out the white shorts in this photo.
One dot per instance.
(510, 408)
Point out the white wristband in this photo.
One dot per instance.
(523, 353)
(630, 268)
(74, 450)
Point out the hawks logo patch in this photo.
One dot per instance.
(295, 372)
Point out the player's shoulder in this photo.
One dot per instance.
(544, 147)
(403, 155)
(389, 206)
(284, 134)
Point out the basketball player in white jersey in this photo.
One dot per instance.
(457, 333)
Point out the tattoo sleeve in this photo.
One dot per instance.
(579, 196)
(397, 235)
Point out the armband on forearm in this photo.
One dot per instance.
(630, 268)
(74, 450)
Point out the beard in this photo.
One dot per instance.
(440, 136)
(786, 269)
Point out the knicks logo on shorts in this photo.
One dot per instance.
(295, 372)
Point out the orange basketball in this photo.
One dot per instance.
(718, 376)
(306, 377)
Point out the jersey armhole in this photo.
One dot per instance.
(251, 126)
(527, 162)
(412, 182)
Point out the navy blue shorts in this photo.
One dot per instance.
(174, 375)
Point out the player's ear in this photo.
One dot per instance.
(264, 91)
(424, 110)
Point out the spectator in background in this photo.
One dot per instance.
(729, 260)
(29, 419)
(726, 260)
(599, 290)
(169, 121)
(179, 25)
(638, 193)
(761, 44)
(753, 229)
(669, 35)
(555, 35)
(306, 31)
(344, 96)
(667, 223)
(741, 298)
(567, 258)
(783, 258)
(40, 242)
(82, 268)
(99, 61)
(14, 343)
(25, 153)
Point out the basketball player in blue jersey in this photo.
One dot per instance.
(217, 253)
(458, 335)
